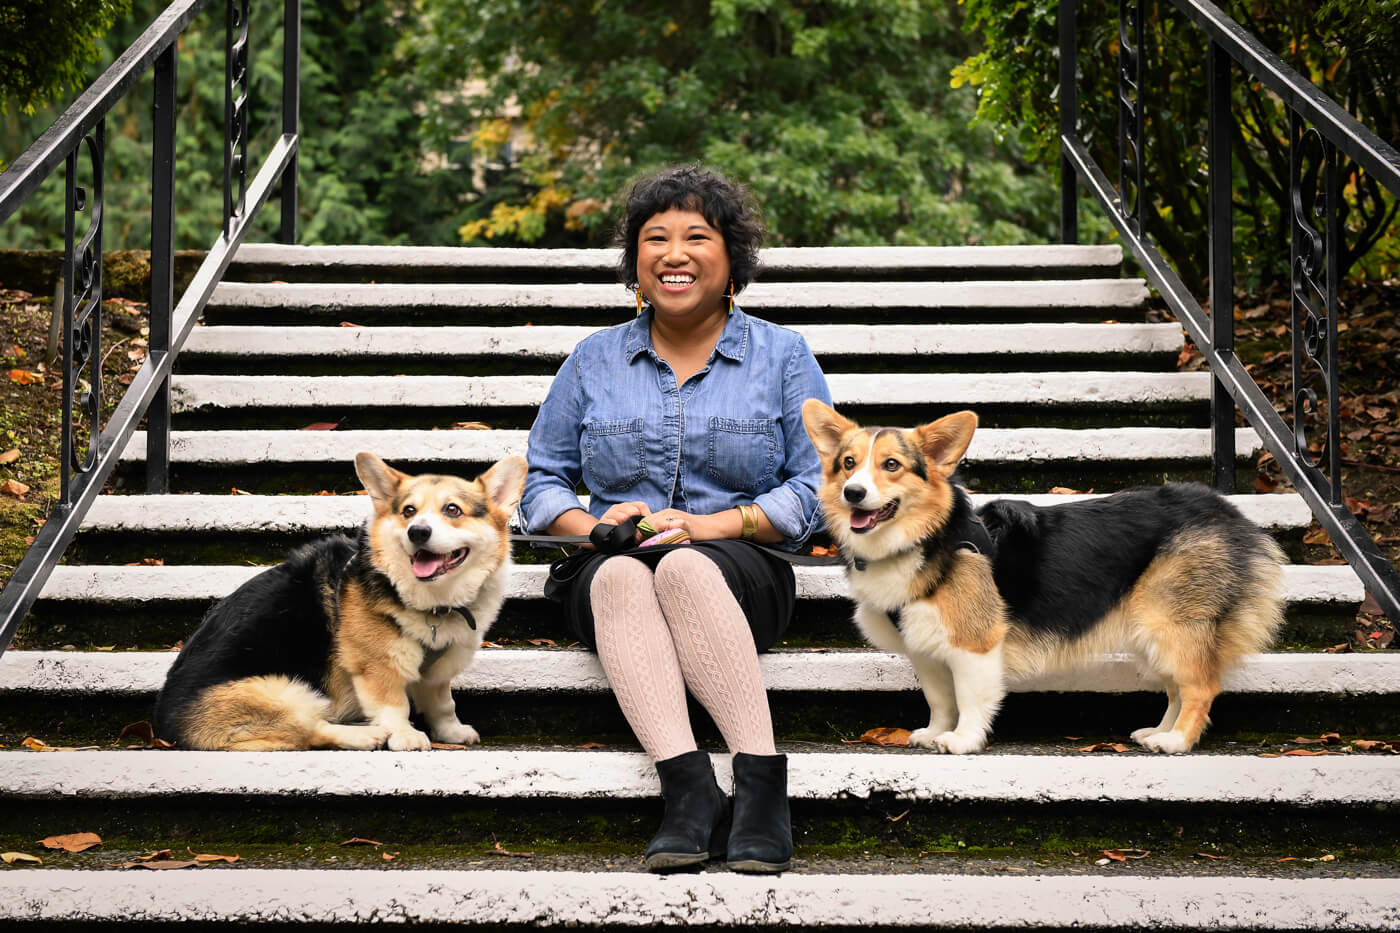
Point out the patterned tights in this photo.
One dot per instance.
(679, 628)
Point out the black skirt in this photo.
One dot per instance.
(762, 582)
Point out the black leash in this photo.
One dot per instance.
(620, 538)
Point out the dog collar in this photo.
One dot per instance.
(444, 610)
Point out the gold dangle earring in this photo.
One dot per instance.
(731, 297)
(639, 299)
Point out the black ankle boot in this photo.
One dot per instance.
(760, 839)
(696, 825)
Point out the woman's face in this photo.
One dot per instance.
(682, 265)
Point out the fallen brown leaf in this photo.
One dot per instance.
(357, 841)
(1122, 855)
(498, 849)
(72, 842)
(25, 377)
(447, 747)
(1209, 856)
(10, 456)
(1372, 745)
(154, 856)
(210, 858)
(543, 642)
(11, 858)
(1330, 738)
(36, 745)
(388, 856)
(1308, 753)
(591, 745)
(884, 735)
(321, 426)
(154, 866)
(1105, 747)
(144, 731)
(13, 487)
(471, 426)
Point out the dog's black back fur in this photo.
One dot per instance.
(1051, 562)
(276, 623)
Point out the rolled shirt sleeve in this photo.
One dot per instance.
(793, 506)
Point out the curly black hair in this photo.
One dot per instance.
(727, 206)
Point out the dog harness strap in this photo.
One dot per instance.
(466, 614)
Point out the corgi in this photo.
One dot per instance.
(976, 597)
(328, 648)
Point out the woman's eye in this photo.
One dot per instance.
(409, 511)
(892, 465)
(451, 510)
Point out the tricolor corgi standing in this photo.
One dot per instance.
(353, 628)
(1174, 574)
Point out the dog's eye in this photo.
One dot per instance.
(848, 463)
(409, 511)
(892, 465)
(451, 510)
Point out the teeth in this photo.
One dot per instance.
(677, 279)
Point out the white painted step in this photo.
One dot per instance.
(190, 393)
(540, 670)
(500, 897)
(327, 514)
(483, 772)
(369, 299)
(553, 342)
(774, 261)
(100, 583)
(1006, 445)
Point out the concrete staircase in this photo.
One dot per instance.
(450, 352)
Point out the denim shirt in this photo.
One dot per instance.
(615, 421)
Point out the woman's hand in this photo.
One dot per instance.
(619, 513)
(699, 527)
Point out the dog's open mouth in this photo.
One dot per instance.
(429, 566)
(865, 520)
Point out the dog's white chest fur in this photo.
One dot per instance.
(886, 584)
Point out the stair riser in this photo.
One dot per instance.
(1052, 722)
(157, 623)
(455, 828)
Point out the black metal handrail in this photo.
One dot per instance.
(1319, 130)
(81, 129)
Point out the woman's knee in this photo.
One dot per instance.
(618, 582)
(684, 567)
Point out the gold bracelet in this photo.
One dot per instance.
(748, 514)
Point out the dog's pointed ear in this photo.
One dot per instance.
(380, 480)
(825, 427)
(945, 441)
(505, 482)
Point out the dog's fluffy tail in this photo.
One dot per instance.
(271, 713)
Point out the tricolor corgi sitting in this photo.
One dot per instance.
(972, 597)
(348, 629)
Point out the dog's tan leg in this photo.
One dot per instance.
(359, 738)
(434, 701)
(1195, 698)
(384, 699)
(937, 683)
(1168, 722)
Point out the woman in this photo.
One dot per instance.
(690, 416)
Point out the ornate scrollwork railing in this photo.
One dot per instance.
(90, 448)
(1321, 133)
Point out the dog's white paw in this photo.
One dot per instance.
(956, 743)
(458, 733)
(1141, 736)
(924, 738)
(409, 740)
(1168, 743)
(354, 738)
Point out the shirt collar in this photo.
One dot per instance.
(733, 343)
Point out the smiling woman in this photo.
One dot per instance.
(689, 417)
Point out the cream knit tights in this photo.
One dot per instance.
(682, 627)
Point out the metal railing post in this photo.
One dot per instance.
(1069, 122)
(1222, 276)
(162, 265)
(291, 112)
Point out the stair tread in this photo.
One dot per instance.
(773, 260)
(1035, 774)
(228, 513)
(196, 392)
(521, 670)
(503, 895)
(554, 342)
(989, 444)
(102, 582)
(366, 297)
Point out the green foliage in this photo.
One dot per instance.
(44, 45)
(362, 171)
(1347, 47)
(839, 115)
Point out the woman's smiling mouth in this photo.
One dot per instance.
(677, 280)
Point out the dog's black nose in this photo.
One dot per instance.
(419, 534)
(853, 493)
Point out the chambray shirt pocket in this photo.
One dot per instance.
(613, 454)
(742, 453)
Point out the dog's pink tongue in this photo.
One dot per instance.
(860, 518)
(426, 563)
